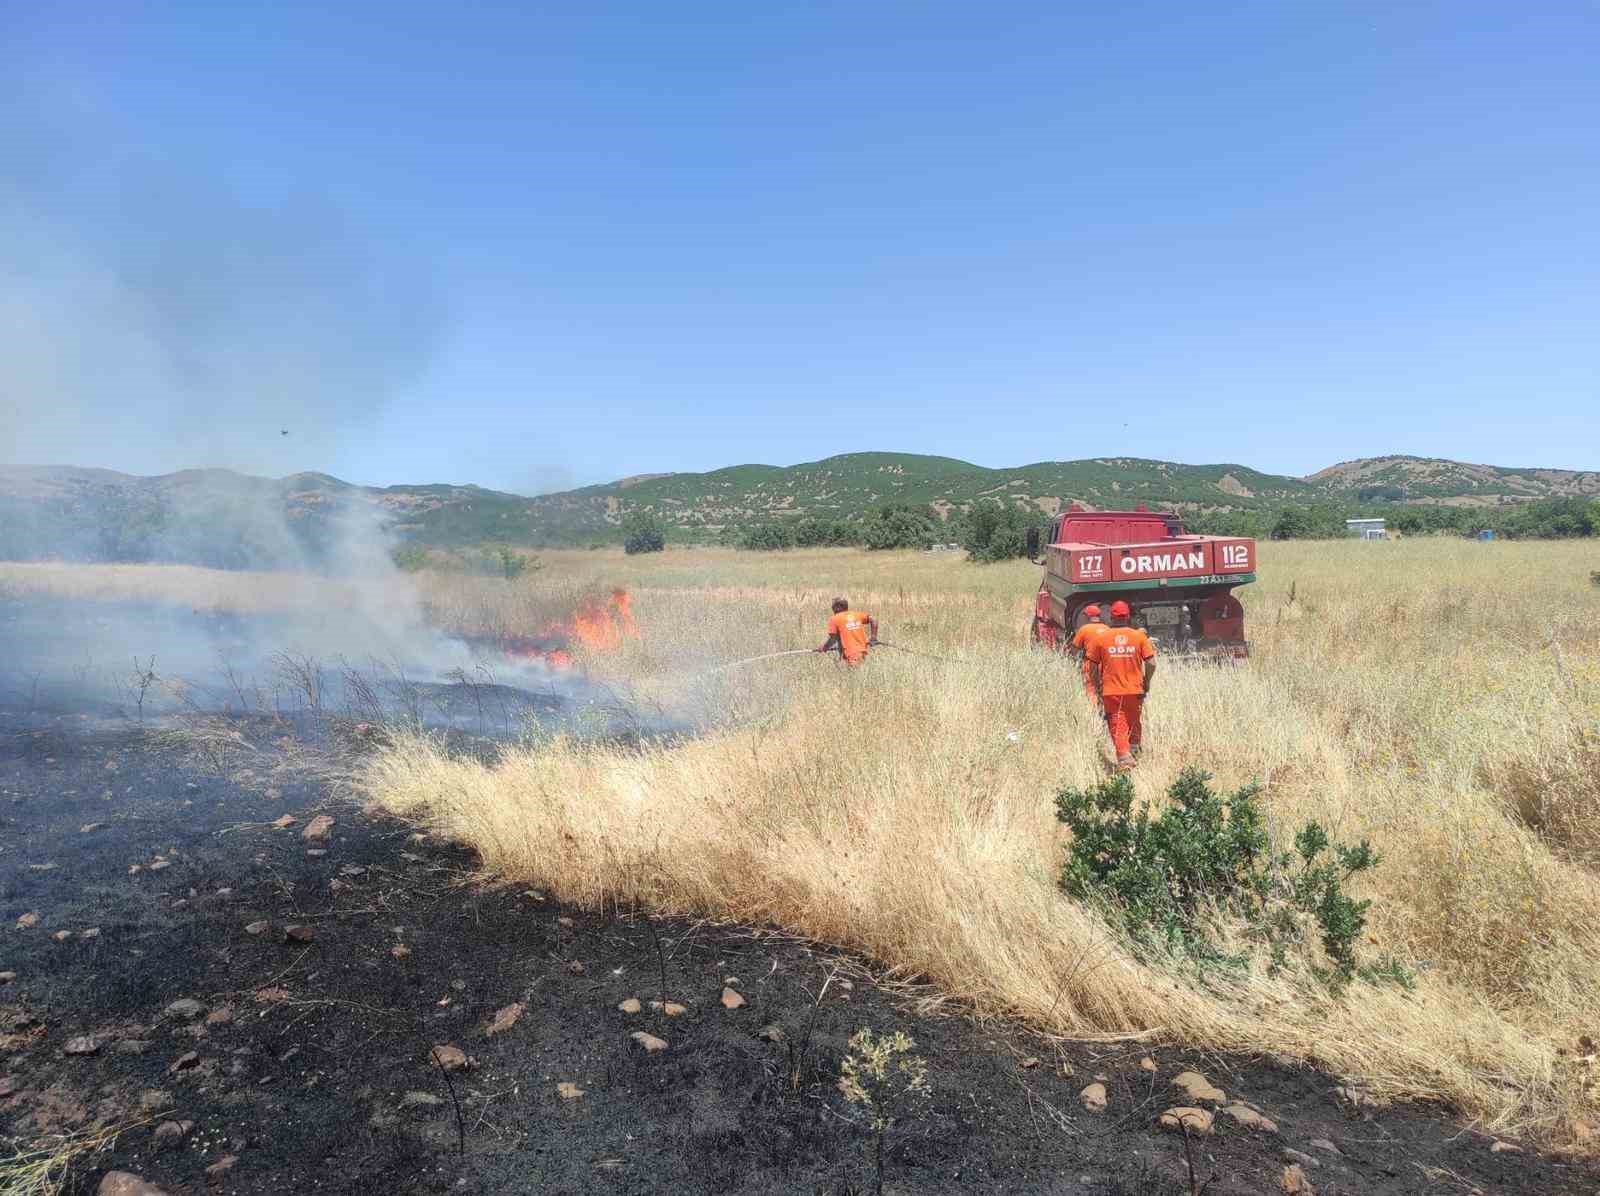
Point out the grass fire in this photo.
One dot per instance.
(902, 813)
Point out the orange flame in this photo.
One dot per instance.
(598, 625)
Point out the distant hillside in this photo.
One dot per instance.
(1429, 479)
(229, 519)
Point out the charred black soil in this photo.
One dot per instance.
(157, 878)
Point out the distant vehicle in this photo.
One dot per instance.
(1180, 586)
(1367, 529)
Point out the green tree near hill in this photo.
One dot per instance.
(900, 526)
(996, 531)
(767, 537)
(643, 532)
(813, 532)
(1315, 522)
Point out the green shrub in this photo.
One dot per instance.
(410, 558)
(643, 532)
(995, 531)
(767, 537)
(1160, 877)
(899, 526)
(512, 563)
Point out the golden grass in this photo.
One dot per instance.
(1439, 697)
(1410, 693)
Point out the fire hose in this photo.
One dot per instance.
(813, 652)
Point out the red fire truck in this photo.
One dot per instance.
(1179, 586)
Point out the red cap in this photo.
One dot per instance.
(1092, 611)
(1120, 609)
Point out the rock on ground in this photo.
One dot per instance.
(1198, 1087)
(125, 1183)
(1198, 1121)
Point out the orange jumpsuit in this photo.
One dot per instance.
(854, 635)
(1080, 643)
(1120, 655)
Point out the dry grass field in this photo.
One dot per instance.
(1441, 698)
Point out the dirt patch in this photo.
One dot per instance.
(312, 1062)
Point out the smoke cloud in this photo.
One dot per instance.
(154, 317)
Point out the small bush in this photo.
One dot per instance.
(883, 1074)
(410, 558)
(767, 537)
(512, 563)
(642, 532)
(1160, 877)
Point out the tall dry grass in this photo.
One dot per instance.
(1437, 697)
(1441, 698)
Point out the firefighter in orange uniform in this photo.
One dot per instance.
(1123, 662)
(853, 632)
(1092, 627)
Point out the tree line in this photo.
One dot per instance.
(992, 530)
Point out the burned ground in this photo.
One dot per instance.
(309, 1061)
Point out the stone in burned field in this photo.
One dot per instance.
(220, 1017)
(770, 1033)
(451, 1058)
(125, 1183)
(649, 1041)
(154, 1100)
(28, 921)
(1250, 1118)
(184, 1062)
(732, 1000)
(1325, 1145)
(1198, 1087)
(1294, 1181)
(1360, 1098)
(318, 829)
(298, 934)
(8, 1087)
(671, 1008)
(221, 1167)
(1094, 1097)
(1505, 1148)
(84, 1044)
(631, 1005)
(187, 1008)
(400, 951)
(575, 966)
(7, 977)
(260, 927)
(89, 828)
(62, 936)
(284, 822)
(506, 1018)
(92, 933)
(170, 1133)
(1147, 1064)
(568, 1090)
(1198, 1121)
(420, 1100)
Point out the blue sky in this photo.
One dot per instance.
(531, 245)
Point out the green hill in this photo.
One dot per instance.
(229, 519)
